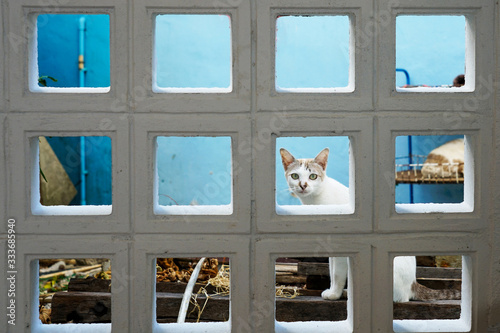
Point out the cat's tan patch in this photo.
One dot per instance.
(286, 158)
(313, 167)
(434, 158)
(446, 160)
(438, 165)
(322, 158)
(423, 293)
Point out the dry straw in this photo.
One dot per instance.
(220, 282)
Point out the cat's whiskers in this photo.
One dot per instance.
(284, 190)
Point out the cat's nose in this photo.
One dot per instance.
(303, 186)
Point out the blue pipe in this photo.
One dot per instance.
(82, 70)
(410, 146)
(410, 152)
(81, 53)
(83, 173)
(406, 74)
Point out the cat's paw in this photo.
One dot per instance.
(331, 294)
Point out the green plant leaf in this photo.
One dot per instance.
(41, 172)
(42, 80)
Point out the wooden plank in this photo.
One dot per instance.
(440, 261)
(90, 307)
(81, 307)
(168, 304)
(437, 283)
(89, 284)
(313, 268)
(180, 287)
(303, 292)
(309, 308)
(289, 267)
(306, 308)
(71, 271)
(290, 279)
(439, 272)
(99, 285)
(427, 310)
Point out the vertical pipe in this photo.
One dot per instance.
(83, 173)
(82, 69)
(81, 51)
(410, 152)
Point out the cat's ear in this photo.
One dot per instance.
(286, 158)
(322, 158)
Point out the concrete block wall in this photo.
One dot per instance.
(372, 113)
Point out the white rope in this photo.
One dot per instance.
(188, 292)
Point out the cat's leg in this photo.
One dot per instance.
(405, 270)
(338, 278)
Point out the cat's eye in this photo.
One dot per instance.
(294, 176)
(313, 176)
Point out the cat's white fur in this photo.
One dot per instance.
(450, 152)
(327, 191)
(321, 191)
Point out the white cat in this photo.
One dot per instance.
(451, 154)
(307, 180)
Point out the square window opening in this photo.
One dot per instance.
(72, 292)
(436, 57)
(314, 175)
(434, 174)
(71, 175)
(313, 54)
(192, 53)
(432, 293)
(193, 290)
(193, 176)
(305, 294)
(70, 53)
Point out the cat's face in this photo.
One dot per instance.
(304, 176)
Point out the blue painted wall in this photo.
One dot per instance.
(193, 51)
(194, 170)
(311, 52)
(58, 49)
(431, 48)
